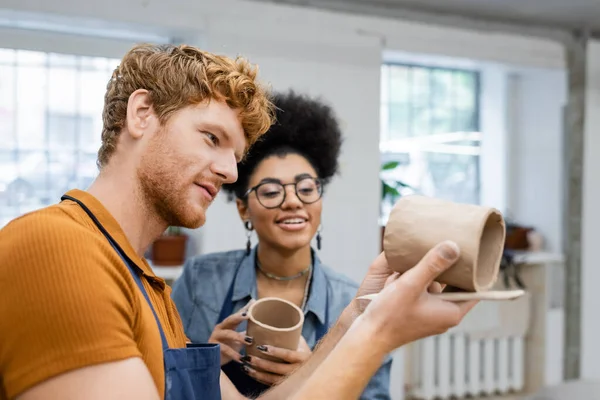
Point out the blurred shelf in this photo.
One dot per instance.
(538, 257)
(168, 273)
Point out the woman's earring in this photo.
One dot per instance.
(249, 228)
(319, 238)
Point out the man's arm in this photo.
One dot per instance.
(67, 317)
(354, 349)
(291, 385)
(374, 281)
(120, 380)
(347, 370)
(228, 389)
(378, 386)
(403, 312)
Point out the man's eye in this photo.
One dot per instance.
(212, 138)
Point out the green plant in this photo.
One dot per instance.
(391, 188)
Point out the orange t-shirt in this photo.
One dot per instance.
(69, 301)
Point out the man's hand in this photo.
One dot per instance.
(405, 309)
(378, 276)
(270, 372)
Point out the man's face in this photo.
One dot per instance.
(185, 162)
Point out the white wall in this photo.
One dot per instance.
(351, 85)
(324, 53)
(336, 56)
(271, 22)
(590, 295)
(494, 116)
(343, 66)
(535, 156)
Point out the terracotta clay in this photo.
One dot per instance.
(418, 223)
(276, 322)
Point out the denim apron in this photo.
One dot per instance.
(244, 383)
(191, 373)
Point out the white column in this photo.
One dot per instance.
(590, 261)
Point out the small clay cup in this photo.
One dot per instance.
(276, 322)
(418, 223)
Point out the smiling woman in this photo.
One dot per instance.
(278, 195)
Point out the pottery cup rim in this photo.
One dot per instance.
(273, 328)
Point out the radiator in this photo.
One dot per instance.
(483, 356)
(451, 366)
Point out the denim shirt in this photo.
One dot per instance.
(201, 290)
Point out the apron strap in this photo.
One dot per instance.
(130, 264)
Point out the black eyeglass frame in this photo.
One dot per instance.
(318, 182)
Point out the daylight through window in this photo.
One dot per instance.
(50, 126)
(430, 138)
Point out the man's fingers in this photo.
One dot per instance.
(392, 278)
(437, 260)
(435, 287)
(380, 264)
(456, 312)
(467, 306)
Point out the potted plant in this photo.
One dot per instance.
(169, 248)
(391, 190)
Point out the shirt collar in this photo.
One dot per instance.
(114, 230)
(245, 285)
(317, 295)
(245, 280)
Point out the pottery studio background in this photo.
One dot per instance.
(483, 103)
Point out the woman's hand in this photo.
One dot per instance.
(225, 335)
(271, 372)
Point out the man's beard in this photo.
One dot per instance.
(163, 189)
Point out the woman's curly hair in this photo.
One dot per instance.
(304, 126)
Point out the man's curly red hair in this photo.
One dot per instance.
(179, 76)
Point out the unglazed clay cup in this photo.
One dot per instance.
(276, 322)
(418, 223)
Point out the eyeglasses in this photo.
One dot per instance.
(273, 194)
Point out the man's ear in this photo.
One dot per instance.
(139, 113)
(243, 210)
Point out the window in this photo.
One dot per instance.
(50, 126)
(430, 139)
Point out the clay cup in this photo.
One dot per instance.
(418, 223)
(276, 322)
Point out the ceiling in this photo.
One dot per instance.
(562, 14)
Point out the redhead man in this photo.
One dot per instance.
(83, 316)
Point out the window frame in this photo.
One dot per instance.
(387, 143)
